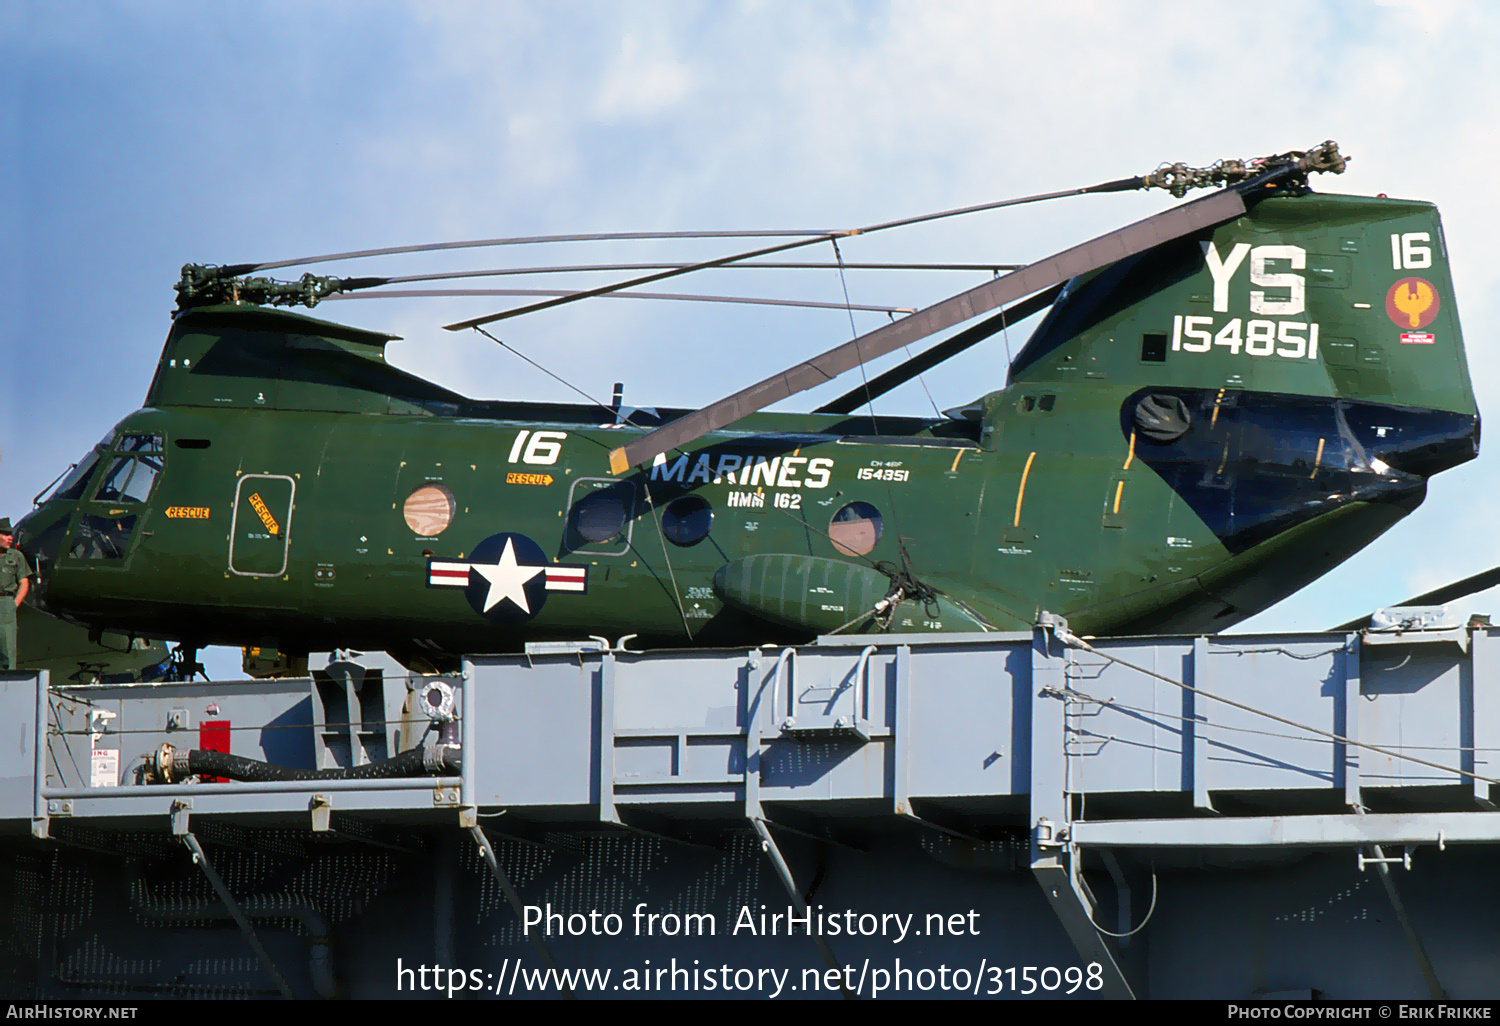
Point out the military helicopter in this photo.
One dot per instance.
(1224, 401)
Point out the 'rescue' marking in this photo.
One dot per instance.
(259, 505)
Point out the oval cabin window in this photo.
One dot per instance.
(855, 528)
(429, 509)
(686, 521)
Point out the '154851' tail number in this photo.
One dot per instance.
(882, 474)
(1293, 340)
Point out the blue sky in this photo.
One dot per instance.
(140, 136)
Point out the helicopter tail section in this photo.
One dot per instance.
(1330, 296)
(1259, 400)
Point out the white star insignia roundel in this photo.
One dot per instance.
(500, 577)
(506, 578)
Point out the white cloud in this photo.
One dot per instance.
(643, 81)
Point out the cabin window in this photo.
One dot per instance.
(855, 528)
(599, 516)
(429, 509)
(686, 520)
(129, 479)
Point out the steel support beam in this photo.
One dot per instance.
(1350, 756)
(1312, 831)
(503, 879)
(768, 845)
(1429, 974)
(1054, 856)
(1484, 712)
(246, 930)
(1194, 719)
(605, 747)
(39, 811)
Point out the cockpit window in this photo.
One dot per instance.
(71, 486)
(77, 477)
(140, 443)
(101, 537)
(129, 479)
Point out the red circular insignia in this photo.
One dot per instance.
(1412, 303)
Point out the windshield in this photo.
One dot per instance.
(129, 479)
(71, 486)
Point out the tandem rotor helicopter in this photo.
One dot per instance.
(1223, 402)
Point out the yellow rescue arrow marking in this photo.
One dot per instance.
(259, 505)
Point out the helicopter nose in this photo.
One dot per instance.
(40, 535)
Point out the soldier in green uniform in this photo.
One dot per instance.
(15, 581)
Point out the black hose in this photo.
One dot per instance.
(413, 763)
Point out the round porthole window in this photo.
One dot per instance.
(855, 528)
(686, 520)
(429, 509)
(598, 516)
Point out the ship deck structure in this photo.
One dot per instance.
(1019, 814)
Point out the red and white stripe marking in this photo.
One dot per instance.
(453, 575)
(567, 578)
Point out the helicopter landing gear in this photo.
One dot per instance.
(183, 664)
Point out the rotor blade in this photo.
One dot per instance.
(904, 372)
(1437, 597)
(522, 240)
(1213, 209)
(1116, 186)
(426, 293)
(825, 265)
